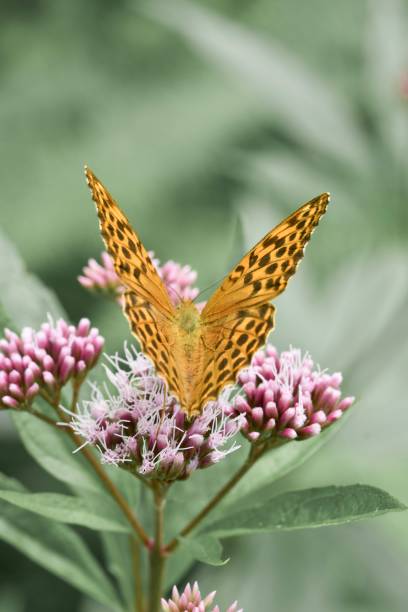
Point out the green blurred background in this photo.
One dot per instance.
(209, 122)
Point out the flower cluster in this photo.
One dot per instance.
(102, 278)
(190, 600)
(143, 427)
(283, 396)
(45, 359)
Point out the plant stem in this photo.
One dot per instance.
(76, 387)
(157, 556)
(139, 599)
(43, 417)
(254, 454)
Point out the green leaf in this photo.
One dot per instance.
(128, 484)
(65, 509)
(54, 452)
(10, 484)
(206, 549)
(316, 507)
(24, 298)
(117, 547)
(177, 569)
(55, 547)
(118, 556)
(187, 498)
(279, 462)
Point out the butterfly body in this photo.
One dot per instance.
(189, 350)
(199, 353)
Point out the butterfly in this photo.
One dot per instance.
(198, 354)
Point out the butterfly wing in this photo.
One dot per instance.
(229, 345)
(147, 304)
(237, 318)
(131, 260)
(263, 273)
(157, 336)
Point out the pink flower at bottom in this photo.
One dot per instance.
(190, 600)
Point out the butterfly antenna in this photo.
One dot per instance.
(216, 283)
(176, 293)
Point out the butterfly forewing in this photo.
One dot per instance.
(131, 260)
(264, 272)
(147, 304)
(239, 310)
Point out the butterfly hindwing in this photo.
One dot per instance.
(230, 344)
(157, 338)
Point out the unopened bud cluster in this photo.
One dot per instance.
(284, 396)
(45, 360)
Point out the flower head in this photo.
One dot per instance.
(45, 359)
(178, 280)
(101, 277)
(190, 600)
(285, 397)
(140, 425)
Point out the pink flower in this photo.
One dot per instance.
(101, 277)
(141, 425)
(45, 359)
(284, 397)
(178, 280)
(190, 600)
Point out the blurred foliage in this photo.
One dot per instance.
(210, 122)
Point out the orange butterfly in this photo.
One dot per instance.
(200, 353)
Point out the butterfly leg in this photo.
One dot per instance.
(207, 347)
